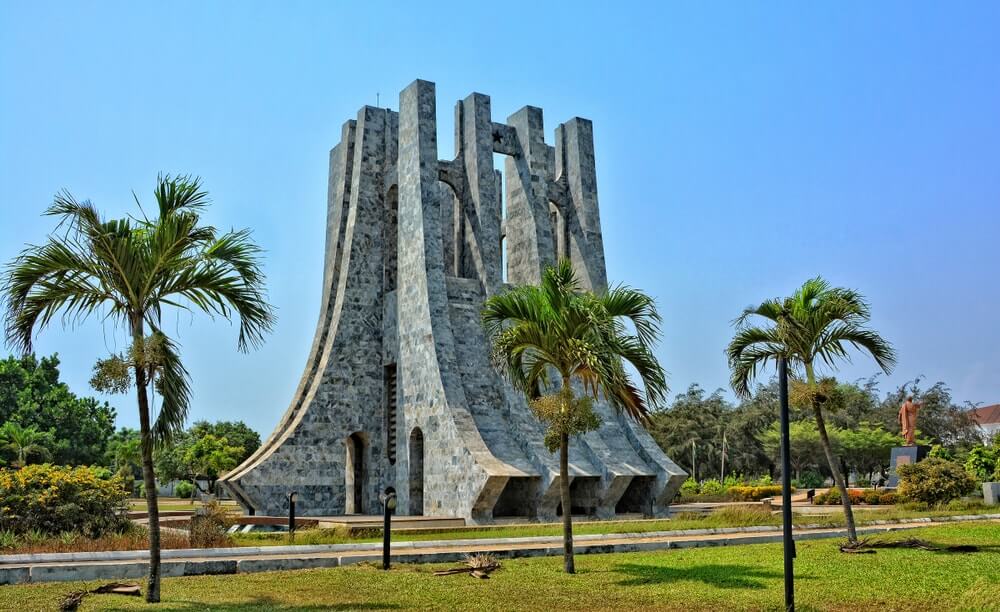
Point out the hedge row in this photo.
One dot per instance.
(753, 493)
(868, 496)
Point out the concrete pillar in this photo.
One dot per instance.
(530, 248)
(575, 166)
(482, 216)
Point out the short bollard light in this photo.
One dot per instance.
(388, 500)
(291, 514)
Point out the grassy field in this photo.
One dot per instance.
(738, 578)
(173, 503)
(732, 516)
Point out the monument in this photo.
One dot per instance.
(912, 452)
(398, 390)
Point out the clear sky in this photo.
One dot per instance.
(741, 148)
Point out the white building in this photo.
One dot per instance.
(988, 418)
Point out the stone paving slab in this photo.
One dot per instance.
(195, 562)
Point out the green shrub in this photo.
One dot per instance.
(763, 481)
(184, 489)
(982, 461)
(753, 493)
(209, 525)
(934, 480)
(733, 481)
(690, 487)
(712, 487)
(941, 453)
(51, 499)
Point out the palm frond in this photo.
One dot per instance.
(639, 308)
(817, 322)
(174, 194)
(171, 382)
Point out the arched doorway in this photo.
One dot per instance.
(354, 474)
(416, 472)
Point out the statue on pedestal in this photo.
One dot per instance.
(908, 420)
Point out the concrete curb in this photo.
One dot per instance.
(19, 569)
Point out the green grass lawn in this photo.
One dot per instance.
(173, 503)
(732, 516)
(743, 577)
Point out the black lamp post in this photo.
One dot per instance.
(388, 500)
(786, 487)
(291, 514)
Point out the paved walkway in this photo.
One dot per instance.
(116, 565)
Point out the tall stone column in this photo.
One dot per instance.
(530, 248)
(575, 165)
(481, 213)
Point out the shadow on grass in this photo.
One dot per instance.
(722, 576)
(261, 603)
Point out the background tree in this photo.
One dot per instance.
(693, 420)
(201, 453)
(867, 448)
(24, 443)
(804, 447)
(236, 433)
(752, 416)
(124, 455)
(32, 396)
(130, 270)
(208, 457)
(814, 326)
(579, 336)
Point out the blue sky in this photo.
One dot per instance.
(741, 148)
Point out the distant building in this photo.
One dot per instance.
(988, 418)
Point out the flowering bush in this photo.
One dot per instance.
(890, 498)
(753, 493)
(54, 499)
(832, 497)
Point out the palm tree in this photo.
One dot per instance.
(25, 442)
(129, 271)
(127, 457)
(815, 326)
(558, 328)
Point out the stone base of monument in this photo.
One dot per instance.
(991, 493)
(904, 455)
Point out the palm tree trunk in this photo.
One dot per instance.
(567, 507)
(838, 477)
(148, 475)
(567, 502)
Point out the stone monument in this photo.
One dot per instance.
(398, 390)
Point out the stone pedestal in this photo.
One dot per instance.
(991, 493)
(904, 455)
